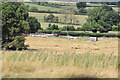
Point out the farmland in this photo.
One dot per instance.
(43, 8)
(61, 58)
(40, 17)
(74, 46)
(33, 47)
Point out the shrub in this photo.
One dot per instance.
(52, 27)
(68, 28)
(50, 18)
(17, 43)
(45, 31)
(56, 31)
(79, 29)
(64, 33)
(115, 28)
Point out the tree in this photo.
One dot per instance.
(103, 17)
(34, 24)
(51, 18)
(93, 26)
(52, 27)
(68, 28)
(14, 17)
(81, 5)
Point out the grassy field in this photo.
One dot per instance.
(63, 58)
(38, 64)
(43, 8)
(74, 46)
(40, 17)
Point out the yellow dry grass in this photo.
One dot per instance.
(31, 64)
(59, 45)
(34, 69)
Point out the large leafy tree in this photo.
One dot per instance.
(14, 15)
(34, 24)
(102, 16)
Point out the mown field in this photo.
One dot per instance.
(40, 17)
(63, 58)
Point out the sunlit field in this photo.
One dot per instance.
(63, 58)
(40, 17)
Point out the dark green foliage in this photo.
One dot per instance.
(115, 28)
(14, 22)
(45, 31)
(56, 31)
(51, 18)
(81, 11)
(17, 43)
(101, 19)
(52, 27)
(79, 29)
(64, 33)
(34, 9)
(34, 24)
(107, 8)
(48, 4)
(81, 5)
(68, 28)
(93, 26)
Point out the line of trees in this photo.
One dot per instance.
(101, 19)
(16, 20)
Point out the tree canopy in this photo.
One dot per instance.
(101, 16)
(14, 23)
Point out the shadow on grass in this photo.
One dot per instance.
(69, 77)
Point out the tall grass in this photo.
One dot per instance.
(44, 64)
(86, 60)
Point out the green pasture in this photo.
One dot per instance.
(40, 17)
(43, 8)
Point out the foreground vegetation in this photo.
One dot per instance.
(39, 64)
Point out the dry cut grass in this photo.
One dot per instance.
(82, 45)
(63, 58)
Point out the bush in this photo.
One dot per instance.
(64, 33)
(79, 29)
(52, 27)
(45, 31)
(50, 18)
(115, 28)
(56, 31)
(68, 28)
(17, 43)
